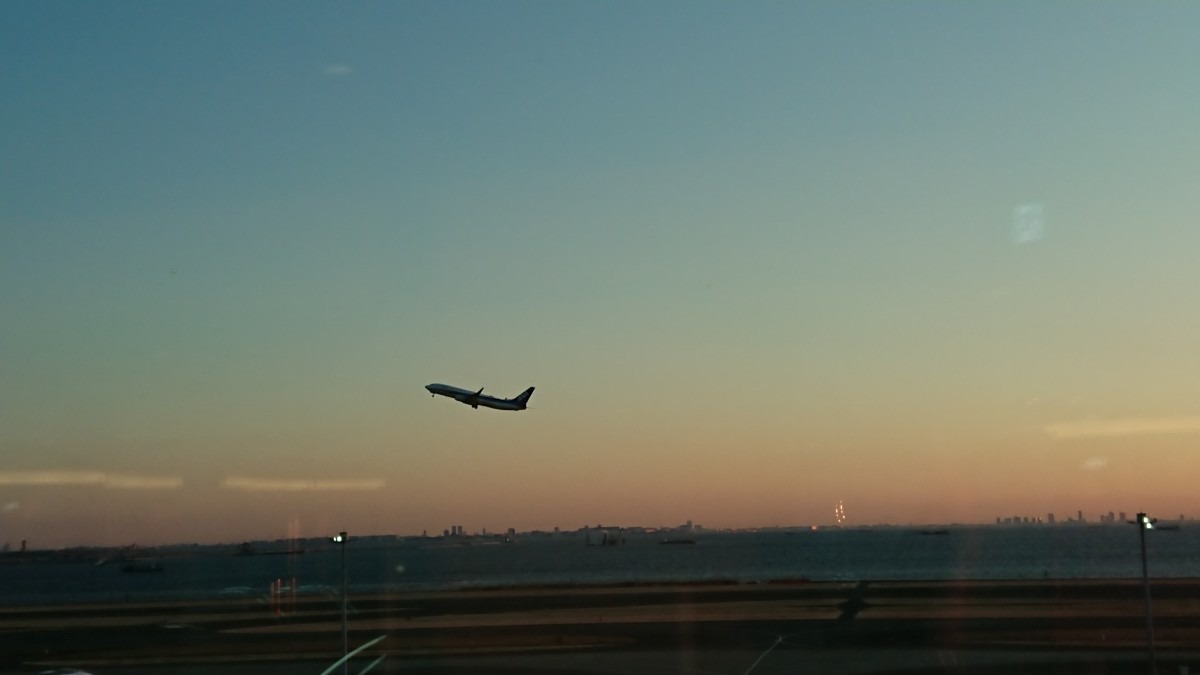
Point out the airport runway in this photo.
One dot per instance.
(915, 628)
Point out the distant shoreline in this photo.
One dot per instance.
(784, 557)
(364, 542)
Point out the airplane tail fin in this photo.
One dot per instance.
(523, 397)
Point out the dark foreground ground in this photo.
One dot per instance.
(886, 627)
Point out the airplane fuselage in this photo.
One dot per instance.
(478, 398)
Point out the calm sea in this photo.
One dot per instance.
(1095, 552)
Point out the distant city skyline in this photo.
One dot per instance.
(512, 535)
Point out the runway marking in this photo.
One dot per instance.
(778, 640)
(352, 654)
(371, 666)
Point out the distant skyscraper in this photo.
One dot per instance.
(1050, 518)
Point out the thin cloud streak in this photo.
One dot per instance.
(1133, 426)
(143, 482)
(85, 478)
(301, 485)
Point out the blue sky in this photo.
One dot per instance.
(757, 258)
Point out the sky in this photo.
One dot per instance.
(932, 260)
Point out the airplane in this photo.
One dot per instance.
(476, 398)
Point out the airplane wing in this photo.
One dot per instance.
(473, 399)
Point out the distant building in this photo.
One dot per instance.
(1050, 518)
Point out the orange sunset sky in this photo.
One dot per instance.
(937, 262)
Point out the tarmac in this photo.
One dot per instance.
(1051, 626)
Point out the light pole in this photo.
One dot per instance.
(341, 538)
(1144, 523)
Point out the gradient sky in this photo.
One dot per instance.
(756, 257)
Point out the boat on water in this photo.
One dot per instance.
(673, 541)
